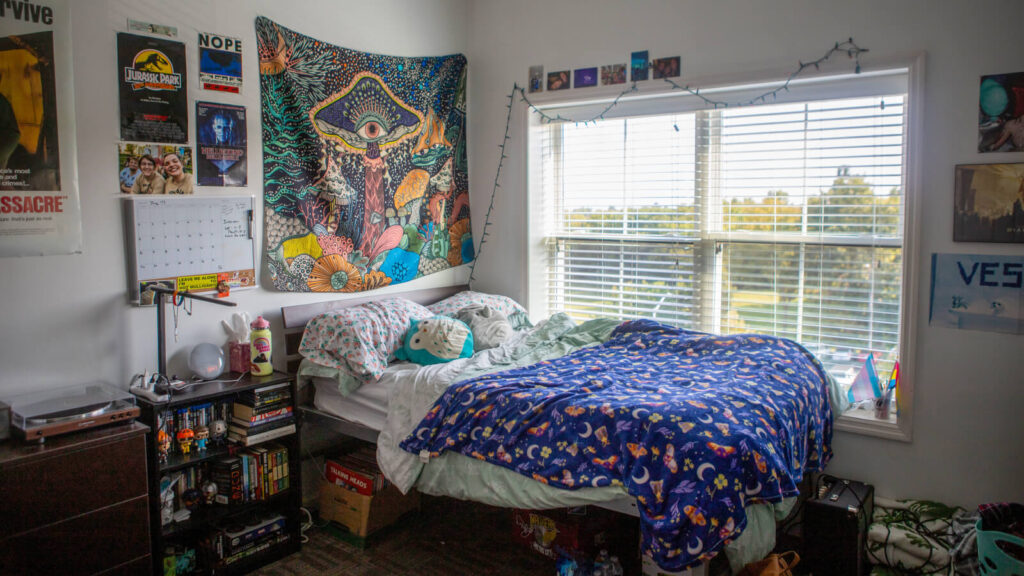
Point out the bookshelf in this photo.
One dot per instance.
(251, 515)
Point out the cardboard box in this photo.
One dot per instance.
(363, 515)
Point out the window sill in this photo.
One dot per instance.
(863, 421)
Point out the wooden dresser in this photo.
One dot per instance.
(77, 504)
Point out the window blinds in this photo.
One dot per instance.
(785, 219)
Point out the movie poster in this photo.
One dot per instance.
(154, 98)
(39, 205)
(220, 63)
(222, 144)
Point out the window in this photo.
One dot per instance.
(785, 218)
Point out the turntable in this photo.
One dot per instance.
(39, 415)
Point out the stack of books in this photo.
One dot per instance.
(262, 414)
(252, 475)
(357, 471)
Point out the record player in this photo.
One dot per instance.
(39, 415)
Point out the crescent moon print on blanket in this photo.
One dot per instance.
(364, 164)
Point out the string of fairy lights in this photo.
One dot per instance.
(847, 47)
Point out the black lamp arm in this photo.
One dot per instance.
(161, 350)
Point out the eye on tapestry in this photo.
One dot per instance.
(364, 164)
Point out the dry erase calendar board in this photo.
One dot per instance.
(189, 243)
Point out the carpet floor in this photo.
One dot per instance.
(447, 537)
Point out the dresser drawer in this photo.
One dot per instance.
(46, 490)
(83, 545)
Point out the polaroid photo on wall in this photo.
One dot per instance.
(1001, 113)
(665, 67)
(584, 77)
(613, 74)
(638, 66)
(559, 80)
(536, 79)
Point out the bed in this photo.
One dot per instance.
(565, 414)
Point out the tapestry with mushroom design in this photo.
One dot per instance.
(364, 164)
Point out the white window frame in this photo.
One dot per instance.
(652, 95)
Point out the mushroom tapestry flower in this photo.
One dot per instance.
(365, 153)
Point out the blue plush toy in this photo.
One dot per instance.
(436, 340)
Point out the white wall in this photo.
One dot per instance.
(65, 320)
(968, 433)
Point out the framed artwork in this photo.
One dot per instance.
(989, 203)
(1001, 113)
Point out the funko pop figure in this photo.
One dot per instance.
(164, 441)
(209, 491)
(218, 430)
(185, 436)
(202, 436)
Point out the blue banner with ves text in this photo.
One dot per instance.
(977, 292)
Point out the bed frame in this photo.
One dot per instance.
(295, 319)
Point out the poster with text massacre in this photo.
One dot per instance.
(220, 63)
(154, 97)
(39, 206)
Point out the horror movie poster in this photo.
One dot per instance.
(221, 144)
(364, 164)
(39, 209)
(154, 99)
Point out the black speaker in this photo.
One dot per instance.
(835, 527)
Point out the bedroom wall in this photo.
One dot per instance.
(65, 320)
(968, 432)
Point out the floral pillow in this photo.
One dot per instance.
(512, 310)
(360, 339)
(436, 340)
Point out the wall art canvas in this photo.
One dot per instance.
(977, 292)
(364, 164)
(1001, 113)
(989, 203)
(154, 94)
(221, 144)
(39, 202)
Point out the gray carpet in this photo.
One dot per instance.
(448, 537)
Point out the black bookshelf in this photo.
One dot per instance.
(200, 539)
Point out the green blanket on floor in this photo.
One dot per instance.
(911, 537)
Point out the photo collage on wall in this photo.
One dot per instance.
(155, 155)
(984, 291)
(639, 67)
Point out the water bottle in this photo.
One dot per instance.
(259, 349)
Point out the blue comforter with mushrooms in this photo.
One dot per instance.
(693, 425)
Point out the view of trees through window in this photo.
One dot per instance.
(779, 219)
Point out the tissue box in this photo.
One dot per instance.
(238, 353)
